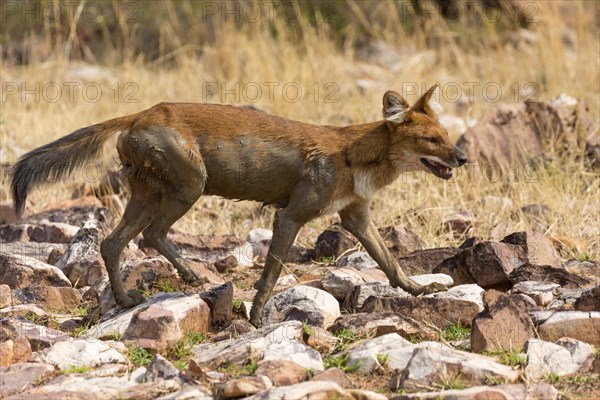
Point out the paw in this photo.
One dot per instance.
(191, 277)
(432, 288)
(131, 299)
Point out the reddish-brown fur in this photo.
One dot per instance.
(173, 153)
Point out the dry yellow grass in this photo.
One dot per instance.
(563, 58)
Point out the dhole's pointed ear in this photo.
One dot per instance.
(395, 109)
(428, 103)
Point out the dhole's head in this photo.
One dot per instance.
(419, 141)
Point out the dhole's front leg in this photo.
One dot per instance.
(285, 230)
(356, 220)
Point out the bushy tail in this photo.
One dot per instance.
(60, 158)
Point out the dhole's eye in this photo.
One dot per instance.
(432, 140)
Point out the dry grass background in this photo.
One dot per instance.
(564, 58)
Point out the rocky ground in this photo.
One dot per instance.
(518, 322)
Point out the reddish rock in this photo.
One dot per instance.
(51, 298)
(6, 298)
(441, 312)
(282, 372)
(548, 274)
(401, 240)
(220, 301)
(487, 263)
(503, 325)
(203, 247)
(19, 271)
(424, 261)
(580, 325)
(14, 351)
(226, 263)
(537, 249)
(52, 232)
(381, 323)
(320, 339)
(7, 213)
(243, 386)
(334, 375)
(333, 242)
(22, 376)
(459, 222)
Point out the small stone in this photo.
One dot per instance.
(319, 339)
(470, 292)
(226, 263)
(548, 274)
(589, 300)
(358, 260)
(381, 323)
(431, 365)
(160, 368)
(427, 279)
(296, 352)
(358, 294)
(51, 298)
(305, 390)
(304, 303)
(424, 261)
(282, 372)
(332, 243)
(220, 302)
(260, 240)
(364, 357)
(6, 298)
(243, 386)
(486, 264)
(334, 375)
(340, 281)
(82, 262)
(401, 240)
(541, 292)
(441, 312)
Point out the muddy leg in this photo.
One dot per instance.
(138, 214)
(357, 221)
(284, 233)
(156, 234)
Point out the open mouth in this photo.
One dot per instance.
(439, 170)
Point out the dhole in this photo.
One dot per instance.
(173, 153)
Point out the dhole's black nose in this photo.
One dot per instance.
(461, 157)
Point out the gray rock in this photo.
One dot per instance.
(580, 325)
(82, 262)
(296, 352)
(358, 260)
(358, 294)
(251, 345)
(315, 306)
(19, 377)
(427, 279)
(19, 271)
(80, 352)
(180, 304)
(541, 292)
(565, 357)
(340, 281)
(39, 336)
(469, 292)
(364, 355)
(160, 368)
(431, 365)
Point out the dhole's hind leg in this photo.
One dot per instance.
(138, 214)
(169, 211)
